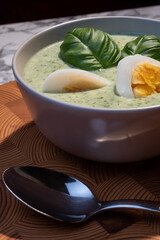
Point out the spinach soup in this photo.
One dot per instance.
(48, 60)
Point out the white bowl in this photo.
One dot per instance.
(107, 135)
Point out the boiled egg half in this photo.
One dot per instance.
(138, 76)
(73, 80)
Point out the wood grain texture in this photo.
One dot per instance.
(21, 143)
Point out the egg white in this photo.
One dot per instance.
(58, 80)
(124, 73)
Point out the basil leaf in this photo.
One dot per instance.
(148, 45)
(89, 49)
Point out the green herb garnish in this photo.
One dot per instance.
(89, 49)
(92, 49)
(147, 45)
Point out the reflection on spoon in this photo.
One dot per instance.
(62, 197)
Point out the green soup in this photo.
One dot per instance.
(47, 60)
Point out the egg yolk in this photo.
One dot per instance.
(145, 79)
(80, 86)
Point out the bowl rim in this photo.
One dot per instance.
(66, 105)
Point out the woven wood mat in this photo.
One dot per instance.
(21, 143)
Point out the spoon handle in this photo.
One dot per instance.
(133, 204)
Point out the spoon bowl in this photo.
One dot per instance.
(60, 196)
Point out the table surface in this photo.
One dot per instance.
(12, 35)
(21, 143)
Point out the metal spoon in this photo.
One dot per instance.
(62, 197)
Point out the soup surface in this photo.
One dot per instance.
(48, 60)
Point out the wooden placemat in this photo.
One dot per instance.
(21, 143)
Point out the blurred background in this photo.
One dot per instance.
(26, 10)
